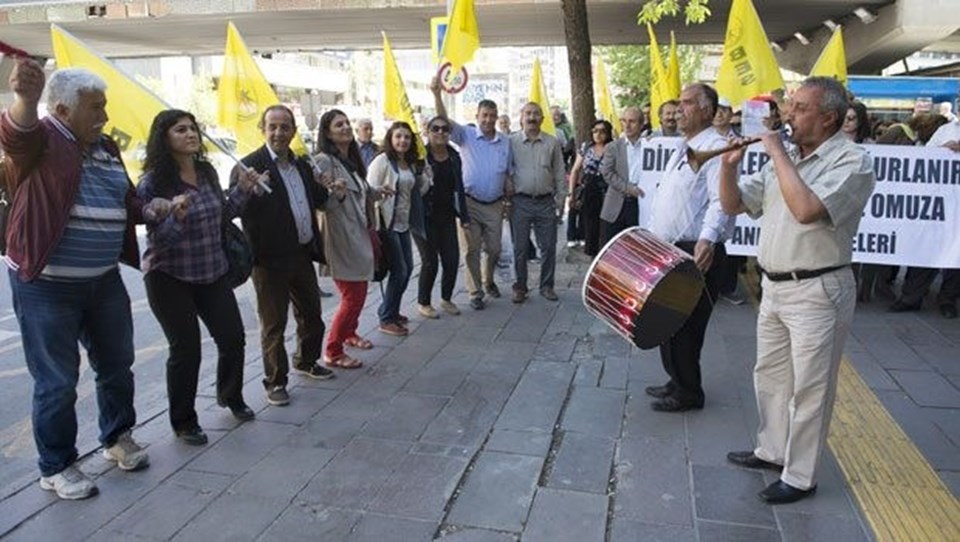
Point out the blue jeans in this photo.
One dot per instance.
(400, 253)
(53, 318)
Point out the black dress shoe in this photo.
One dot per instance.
(781, 492)
(900, 306)
(659, 391)
(193, 437)
(242, 412)
(672, 403)
(749, 460)
(948, 311)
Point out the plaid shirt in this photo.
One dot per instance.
(191, 250)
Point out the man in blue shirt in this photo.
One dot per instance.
(486, 163)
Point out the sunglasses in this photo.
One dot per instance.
(598, 130)
(440, 129)
(848, 117)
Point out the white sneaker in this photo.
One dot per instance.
(571, 244)
(427, 311)
(449, 307)
(70, 484)
(127, 453)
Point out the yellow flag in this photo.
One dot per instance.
(396, 105)
(243, 94)
(538, 95)
(130, 106)
(748, 67)
(463, 35)
(673, 70)
(604, 103)
(833, 59)
(659, 90)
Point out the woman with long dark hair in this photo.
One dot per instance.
(856, 124)
(587, 187)
(185, 267)
(444, 202)
(401, 171)
(344, 223)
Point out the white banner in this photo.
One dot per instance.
(912, 217)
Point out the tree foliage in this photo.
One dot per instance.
(694, 11)
(629, 70)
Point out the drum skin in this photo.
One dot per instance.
(642, 287)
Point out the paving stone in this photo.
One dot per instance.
(328, 429)
(162, 512)
(625, 530)
(715, 431)
(519, 442)
(283, 472)
(377, 528)
(427, 448)
(611, 345)
(615, 372)
(536, 402)
(420, 487)
(242, 448)
(642, 421)
(529, 320)
(233, 517)
(889, 351)
(498, 492)
(207, 482)
(441, 376)
(942, 357)
(353, 477)
(928, 388)
(478, 535)
(588, 373)
(405, 417)
(302, 522)
(652, 481)
(555, 347)
(812, 528)
(595, 411)
(18, 507)
(730, 494)
(566, 515)
(583, 463)
(726, 532)
(875, 376)
(940, 451)
(305, 402)
(467, 418)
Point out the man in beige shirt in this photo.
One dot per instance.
(809, 202)
(538, 189)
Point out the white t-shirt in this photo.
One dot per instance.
(944, 134)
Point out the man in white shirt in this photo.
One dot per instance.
(687, 213)
(620, 168)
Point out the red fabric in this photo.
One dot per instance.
(353, 294)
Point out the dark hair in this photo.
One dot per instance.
(607, 130)
(863, 121)
(674, 103)
(487, 104)
(410, 157)
(277, 107)
(712, 100)
(925, 124)
(353, 161)
(159, 160)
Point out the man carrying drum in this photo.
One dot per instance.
(687, 213)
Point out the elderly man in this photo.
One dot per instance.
(282, 228)
(368, 149)
(503, 124)
(668, 120)
(486, 159)
(809, 201)
(538, 190)
(621, 168)
(73, 216)
(686, 212)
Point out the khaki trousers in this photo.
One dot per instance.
(485, 230)
(801, 331)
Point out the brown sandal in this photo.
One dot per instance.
(359, 342)
(343, 361)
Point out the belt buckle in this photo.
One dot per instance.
(794, 275)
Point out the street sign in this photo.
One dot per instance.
(452, 83)
(438, 31)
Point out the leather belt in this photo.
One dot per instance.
(801, 274)
(541, 196)
(484, 202)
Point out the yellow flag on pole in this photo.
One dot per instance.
(659, 89)
(396, 105)
(538, 95)
(833, 59)
(243, 94)
(463, 35)
(673, 70)
(604, 102)
(748, 67)
(130, 106)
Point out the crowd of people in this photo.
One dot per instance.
(354, 204)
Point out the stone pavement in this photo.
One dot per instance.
(517, 422)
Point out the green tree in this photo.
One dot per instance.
(629, 69)
(694, 11)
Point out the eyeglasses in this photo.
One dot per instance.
(440, 129)
(848, 117)
(598, 130)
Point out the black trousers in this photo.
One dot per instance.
(276, 289)
(918, 280)
(590, 219)
(681, 354)
(440, 244)
(178, 305)
(629, 216)
(574, 225)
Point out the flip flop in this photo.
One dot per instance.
(359, 342)
(343, 361)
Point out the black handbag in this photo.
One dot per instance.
(381, 255)
(239, 254)
(5, 205)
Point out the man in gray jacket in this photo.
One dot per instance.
(621, 170)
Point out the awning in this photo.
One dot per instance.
(938, 89)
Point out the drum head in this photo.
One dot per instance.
(669, 305)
